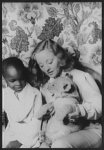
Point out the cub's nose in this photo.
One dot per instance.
(65, 86)
(72, 89)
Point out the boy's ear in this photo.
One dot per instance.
(4, 84)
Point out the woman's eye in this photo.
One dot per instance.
(50, 62)
(41, 66)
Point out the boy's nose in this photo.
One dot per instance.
(18, 83)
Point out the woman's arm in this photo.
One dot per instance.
(91, 107)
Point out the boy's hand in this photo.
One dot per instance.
(50, 112)
(46, 111)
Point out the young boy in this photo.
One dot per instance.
(21, 102)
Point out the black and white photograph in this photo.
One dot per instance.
(52, 74)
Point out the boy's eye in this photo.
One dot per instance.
(12, 80)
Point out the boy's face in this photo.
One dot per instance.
(15, 79)
(48, 63)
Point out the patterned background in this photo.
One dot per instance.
(74, 25)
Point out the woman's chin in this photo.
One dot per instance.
(52, 75)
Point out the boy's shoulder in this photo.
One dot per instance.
(7, 90)
(34, 89)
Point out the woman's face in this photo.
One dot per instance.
(48, 63)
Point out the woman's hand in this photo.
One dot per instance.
(73, 115)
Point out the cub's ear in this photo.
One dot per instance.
(69, 76)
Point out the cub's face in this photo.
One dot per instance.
(62, 86)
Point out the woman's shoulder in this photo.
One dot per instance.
(76, 72)
(78, 76)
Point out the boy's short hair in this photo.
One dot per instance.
(12, 61)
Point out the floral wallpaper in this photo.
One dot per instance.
(76, 26)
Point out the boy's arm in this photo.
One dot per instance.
(37, 101)
(44, 110)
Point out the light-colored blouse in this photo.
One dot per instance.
(91, 106)
(21, 109)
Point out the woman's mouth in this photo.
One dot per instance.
(50, 73)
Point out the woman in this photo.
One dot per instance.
(54, 62)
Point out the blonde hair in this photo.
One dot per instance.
(65, 57)
(67, 61)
